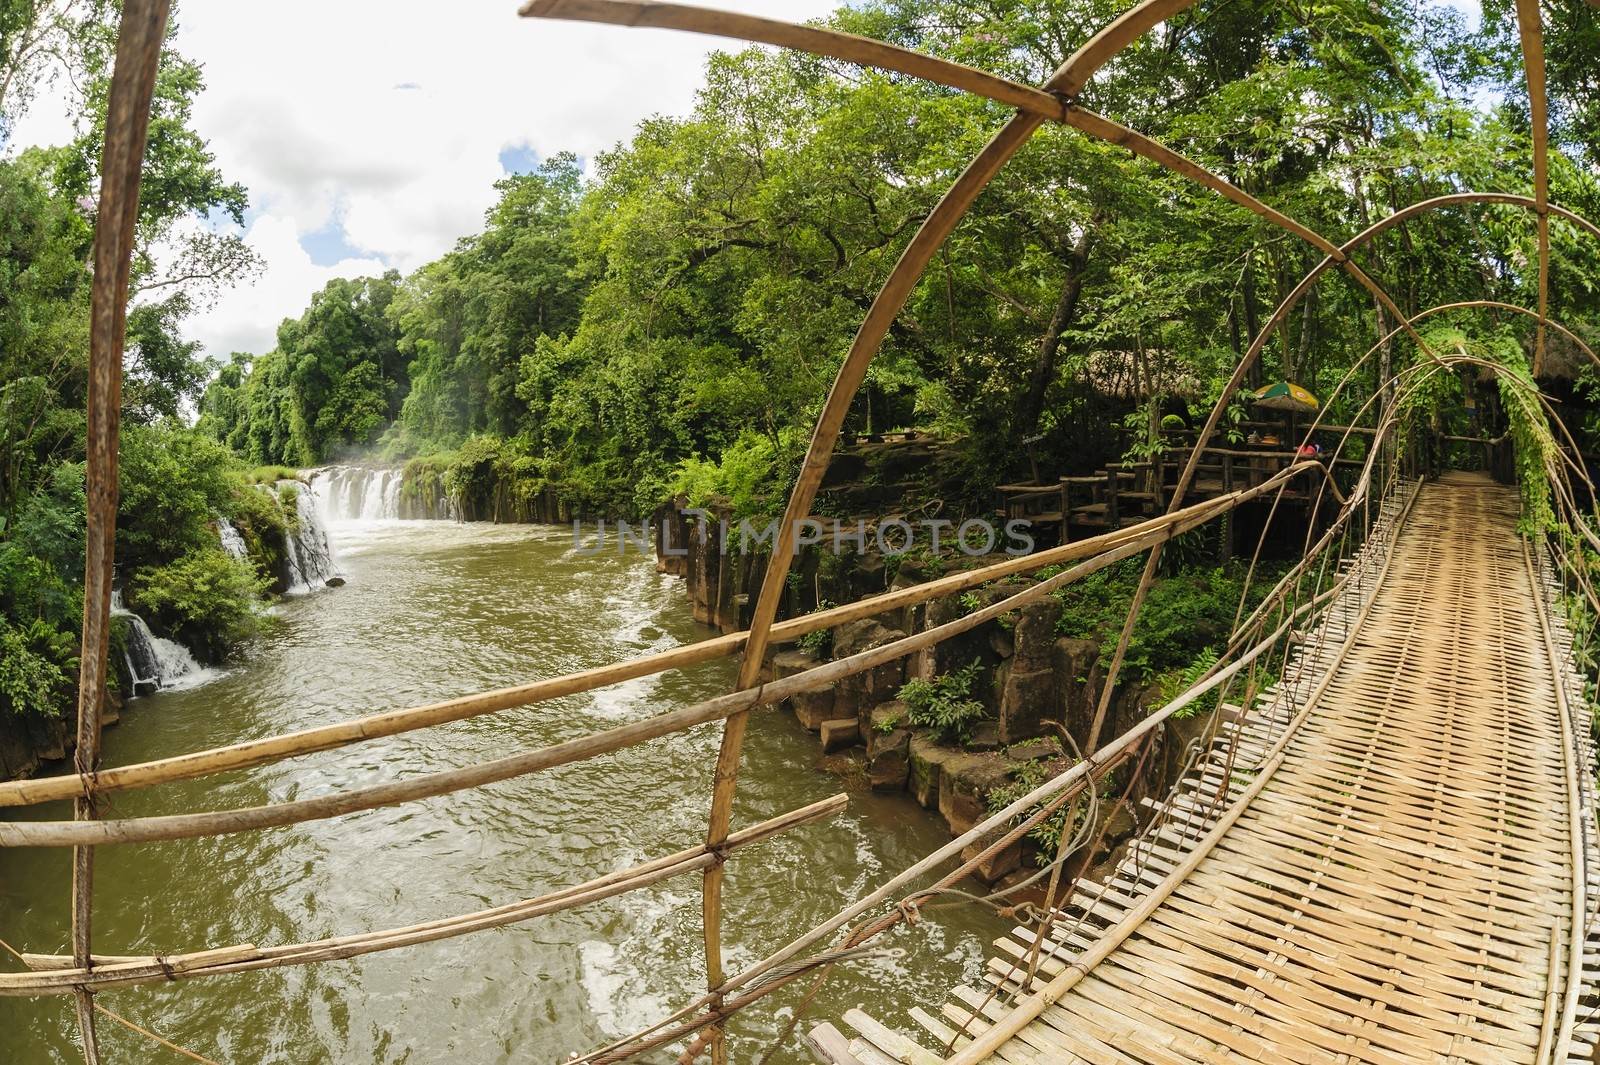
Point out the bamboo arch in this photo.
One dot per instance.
(141, 35)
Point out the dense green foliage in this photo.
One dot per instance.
(175, 482)
(1184, 616)
(944, 705)
(672, 323)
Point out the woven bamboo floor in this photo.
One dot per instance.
(1399, 889)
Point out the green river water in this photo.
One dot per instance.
(434, 609)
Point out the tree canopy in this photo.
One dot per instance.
(696, 293)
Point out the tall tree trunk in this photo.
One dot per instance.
(1252, 320)
(1044, 364)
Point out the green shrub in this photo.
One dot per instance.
(751, 475)
(36, 665)
(206, 599)
(944, 704)
(819, 643)
(1047, 833)
(1183, 615)
(1176, 683)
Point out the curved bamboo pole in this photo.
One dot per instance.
(1537, 316)
(1530, 28)
(1279, 315)
(813, 39)
(867, 52)
(139, 38)
(885, 308)
(1366, 236)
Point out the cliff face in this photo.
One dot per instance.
(29, 745)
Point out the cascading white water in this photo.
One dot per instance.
(232, 542)
(372, 493)
(155, 662)
(357, 493)
(307, 551)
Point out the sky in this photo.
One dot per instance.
(370, 134)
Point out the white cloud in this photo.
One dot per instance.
(389, 118)
(246, 318)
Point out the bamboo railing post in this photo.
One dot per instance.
(142, 30)
(1530, 29)
(885, 308)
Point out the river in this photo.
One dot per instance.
(434, 609)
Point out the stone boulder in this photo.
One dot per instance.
(857, 695)
(927, 768)
(811, 708)
(889, 747)
(1026, 699)
(1034, 636)
(964, 785)
(1075, 664)
(840, 733)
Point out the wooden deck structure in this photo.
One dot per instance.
(1382, 864)
(1125, 494)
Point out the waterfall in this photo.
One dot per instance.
(232, 542)
(306, 551)
(357, 493)
(371, 493)
(155, 662)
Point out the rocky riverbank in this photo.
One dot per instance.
(1037, 690)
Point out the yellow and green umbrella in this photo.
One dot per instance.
(1286, 395)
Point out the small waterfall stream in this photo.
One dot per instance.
(307, 552)
(232, 542)
(155, 662)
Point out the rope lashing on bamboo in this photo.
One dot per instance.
(125, 1022)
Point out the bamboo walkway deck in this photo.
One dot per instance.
(1390, 875)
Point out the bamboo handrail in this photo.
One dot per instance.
(59, 975)
(1560, 1016)
(272, 749)
(219, 822)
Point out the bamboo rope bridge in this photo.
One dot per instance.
(1384, 857)
(1400, 877)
